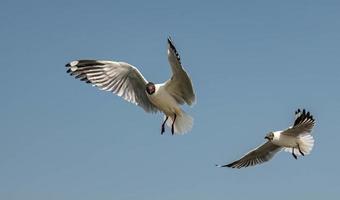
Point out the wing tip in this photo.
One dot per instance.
(220, 166)
(72, 63)
(302, 115)
(171, 43)
(173, 49)
(170, 39)
(72, 67)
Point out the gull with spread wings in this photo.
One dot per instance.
(126, 81)
(296, 139)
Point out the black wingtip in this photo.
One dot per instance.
(302, 116)
(299, 111)
(220, 166)
(169, 39)
(170, 42)
(172, 46)
(68, 65)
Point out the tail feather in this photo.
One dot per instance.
(183, 123)
(306, 145)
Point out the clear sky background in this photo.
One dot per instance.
(252, 65)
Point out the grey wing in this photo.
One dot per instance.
(303, 124)
(180, 85)
(120, 78)
(261, 154)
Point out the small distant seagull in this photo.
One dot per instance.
(126, 81)
(296, 139)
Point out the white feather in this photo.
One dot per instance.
(183, 123)
(306, 144)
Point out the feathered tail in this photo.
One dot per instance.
(183, 123)
(306, 144)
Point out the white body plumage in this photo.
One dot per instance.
(285, 140)
(164, 101)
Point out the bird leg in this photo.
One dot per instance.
(294, 154)
(300, 151)
(173, 125)
(163, 129)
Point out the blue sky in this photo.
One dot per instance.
(252, 64)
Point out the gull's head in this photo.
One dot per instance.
(269, 136)
(150, 88)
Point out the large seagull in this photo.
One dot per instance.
(126, 81)
(297, 140)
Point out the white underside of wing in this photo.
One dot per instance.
(120, 78)
(180, 84)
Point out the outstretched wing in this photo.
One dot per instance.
(304, 123)
(179, 86)
(259, 155)
(120, 78)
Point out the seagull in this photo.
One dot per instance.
(297, 140)
(126, 81)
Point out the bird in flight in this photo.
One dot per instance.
(297, 140)
(127, 82)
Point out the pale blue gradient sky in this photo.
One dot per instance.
(252, 64)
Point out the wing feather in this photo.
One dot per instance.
(259, 155)
(303, 124)
(180, 85)
(120, 78)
